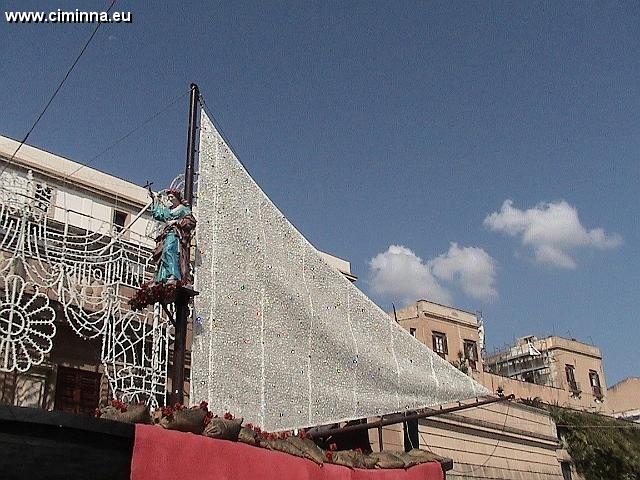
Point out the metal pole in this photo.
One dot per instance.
(179, 348)
(191, 143)
(182, 299)
(400, 418)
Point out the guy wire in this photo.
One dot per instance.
(64, 79)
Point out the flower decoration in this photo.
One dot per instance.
(167, 412)
(119, 404)
(26, 325)
(151, 293)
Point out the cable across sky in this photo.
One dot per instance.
(58, 88)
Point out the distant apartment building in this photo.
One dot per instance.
(499, 441)
(554, 362)
(553, 369)
(624, 399)
(557, 363)
(452, 333)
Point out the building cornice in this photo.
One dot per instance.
(60, 169)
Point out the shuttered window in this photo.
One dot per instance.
(440, 344)
(77, 391)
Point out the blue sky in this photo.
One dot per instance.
(391, 134)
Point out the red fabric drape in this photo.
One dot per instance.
(160, 454)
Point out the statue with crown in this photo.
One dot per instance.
(172, 252)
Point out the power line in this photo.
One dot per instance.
(493, 452)
(127, 135)
(598, 426)
(64, 79)
(474, 467)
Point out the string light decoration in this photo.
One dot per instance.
(54, 256)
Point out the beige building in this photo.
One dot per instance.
(557, 370)
(624, 399)
(554, 369)
(54, 212)
(451, 333)
(505, 441)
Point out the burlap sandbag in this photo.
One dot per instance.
(282, 445)
(409, 460)
(223, 429)
(308, 448)
(422, 456)
(248, 436)
(348, 458)
(369, 461)
(387, 460)
(134, 414)
(156, 417)
(185, 420)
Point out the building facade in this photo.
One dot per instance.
(507, 441)
(74, 243)
(559, 370)
(452, 333)
(624, 399)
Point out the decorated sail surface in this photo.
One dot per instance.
(283, 339)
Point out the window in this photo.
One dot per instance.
(571, 377)
(594, 380)
(412, 331)
(566, 470)
(440, 343)
(77, 391)
(471, 353)
(119, 219)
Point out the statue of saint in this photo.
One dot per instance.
(173, 244)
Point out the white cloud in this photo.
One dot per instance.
(552, 230)
(399, 274)
(471, 268)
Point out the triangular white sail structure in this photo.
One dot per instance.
(283, 339)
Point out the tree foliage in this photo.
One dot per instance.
(602, 448)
